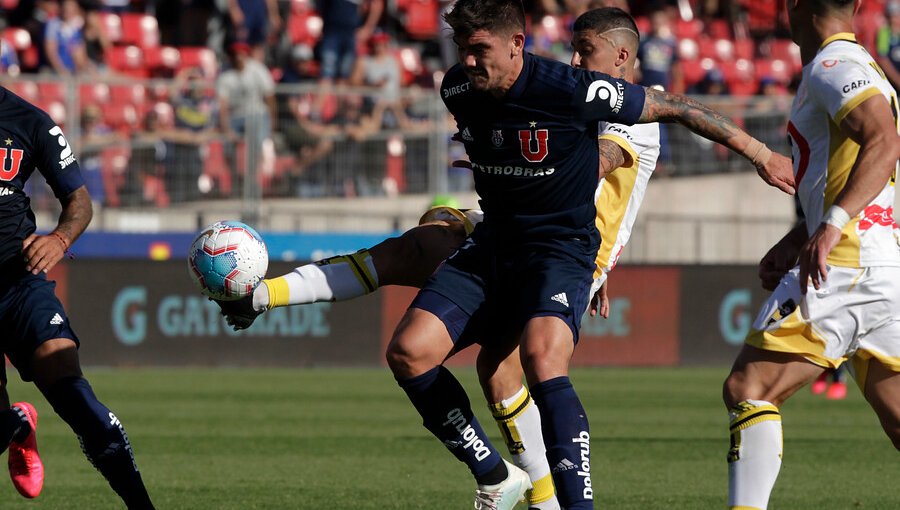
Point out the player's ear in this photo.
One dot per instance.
(517, 44)
(622, 56)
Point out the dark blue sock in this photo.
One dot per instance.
(13, 425)
(447, 414)
(567, 437)
(102, 437)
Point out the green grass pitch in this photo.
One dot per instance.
(349, 439)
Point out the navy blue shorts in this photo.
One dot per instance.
(483, 293)
(30, 314)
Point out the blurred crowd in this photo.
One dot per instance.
(367, 61)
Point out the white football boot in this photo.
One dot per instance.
(504, 495)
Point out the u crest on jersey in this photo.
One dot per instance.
(12, 159)
(528, 151)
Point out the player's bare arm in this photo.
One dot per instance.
(782, 257)
(872, 125)
(612, 156)
(661, 106)
(43, 252)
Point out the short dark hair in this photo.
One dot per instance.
(606, 18)
(468, 16)
(826, 5)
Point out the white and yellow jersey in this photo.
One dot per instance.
(839, 79)
(619, 194)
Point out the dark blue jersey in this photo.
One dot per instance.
(534, 151)
(29, 140)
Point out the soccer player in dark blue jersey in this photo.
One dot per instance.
(38, 338)
(523, 277)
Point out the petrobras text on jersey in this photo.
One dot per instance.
(514, 171)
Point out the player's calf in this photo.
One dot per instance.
(102, 436)
(754, 457)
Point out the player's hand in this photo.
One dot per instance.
(238, 314)
(41, 253)
(778, 172)
(776, 263)
(814, 254)
(600, 301)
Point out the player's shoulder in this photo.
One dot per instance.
(841, 65)
(455, 84)
(25, 112)
(641, 134)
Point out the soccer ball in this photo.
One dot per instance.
(227, 260)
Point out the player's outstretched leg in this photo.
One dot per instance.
(25, 466)
(102, 436)
(520, 425)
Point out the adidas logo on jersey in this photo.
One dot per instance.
(467, 136)
(561, 299)
(56, 320)
(564, 465)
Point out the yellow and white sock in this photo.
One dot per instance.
(755, 455)
(333, 279)
(520, 426)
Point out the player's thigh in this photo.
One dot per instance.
(882, 390)
(499, 370)
(38, 329)
(411, 258)
(420, 342)
(767, 375)
(546, 344)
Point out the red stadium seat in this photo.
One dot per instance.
(688, 29)
(127, 60)
(694, 70)
(643, 24)
(51, 91)
(740, 77)
(723, 50)
(688, 49)
(135, 94)
(93, 93)
(27, 90)
(198, 56)
(775, 69)
(745, 48)
(121, 117)
(719, 29)
(139, 29)
(305, 28)
(162, 61)
(18, 38)
(785, 49)
(111, 25)
(165, 113)
(410, 62)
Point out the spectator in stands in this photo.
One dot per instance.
(712, 84)
(144, 182)
(345, 23)
(195, 126)
(96, 43)
(64, 40)
(657, 52)
(9, 61)
(36, 25)
(380, 71)
(888, 43)
(253, 22)
(246, 94)
(95, 135)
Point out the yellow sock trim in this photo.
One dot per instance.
(505, 418)
(541, 491)
(747, 414)
(279, 292)
(357, 263)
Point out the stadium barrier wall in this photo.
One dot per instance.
(151, 314)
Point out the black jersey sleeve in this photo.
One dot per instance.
(600, 97)
(55, 160)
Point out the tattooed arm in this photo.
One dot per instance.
(663, 106)
(612, 156)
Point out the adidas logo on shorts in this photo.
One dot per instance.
(561, 298)
(56, 320)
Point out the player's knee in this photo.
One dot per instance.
(408, 357)
(733, 390)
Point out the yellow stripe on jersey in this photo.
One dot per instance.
(842, 153)
(613, 201)
(840, 36)
(853, 103)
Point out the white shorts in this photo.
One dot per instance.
(854, 315)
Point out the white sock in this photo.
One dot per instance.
(520, 425)
(333, 279)
(755, 455)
